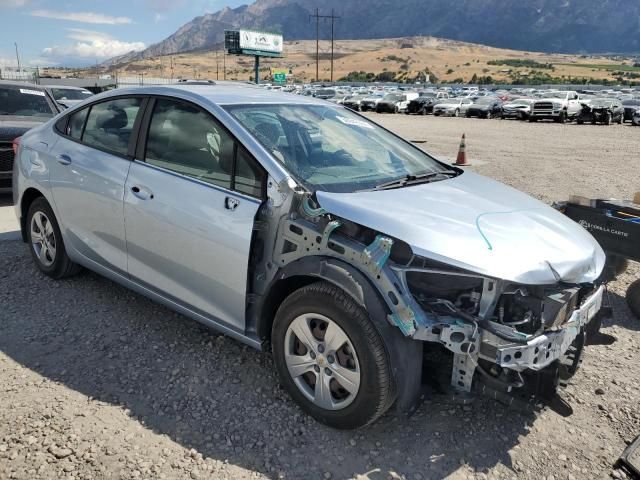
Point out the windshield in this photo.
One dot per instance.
(392, 97)
(70, 94)
(601, 102)
(554, 95)
(485, 100)
(631, 102)
(331, 149)
(427, 94)
(24, 101)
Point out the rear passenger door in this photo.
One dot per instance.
(191, 199)
(87, 172)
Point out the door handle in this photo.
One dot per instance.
(141, 193)
(231, 203)
(64, 159)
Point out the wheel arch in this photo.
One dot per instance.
(28, 197)
(301, 273)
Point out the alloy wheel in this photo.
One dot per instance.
(322, 361)
(43, 239)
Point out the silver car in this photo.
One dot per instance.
(290, 222)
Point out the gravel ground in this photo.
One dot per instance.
(99, 382)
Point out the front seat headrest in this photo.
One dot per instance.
(114, 118)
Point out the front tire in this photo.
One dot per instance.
(45, 241)
(331, 358)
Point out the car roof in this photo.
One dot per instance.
(221, 93)
(66, 87)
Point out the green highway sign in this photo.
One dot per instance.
(280, 77)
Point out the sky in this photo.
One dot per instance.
(79, 33)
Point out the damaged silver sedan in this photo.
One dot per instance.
(289, 222)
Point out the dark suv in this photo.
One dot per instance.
(22, 107)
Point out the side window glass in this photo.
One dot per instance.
(249, 176)
(109, 124)
(76, 122)
(187, 140)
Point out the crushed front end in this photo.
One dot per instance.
(500, 332)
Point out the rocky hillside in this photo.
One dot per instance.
(571, 26)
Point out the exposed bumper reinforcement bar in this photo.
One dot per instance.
(545, 349)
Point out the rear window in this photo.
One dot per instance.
(70, 94)
(25, 102)
(110, 124)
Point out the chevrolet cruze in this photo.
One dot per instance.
(294, 224)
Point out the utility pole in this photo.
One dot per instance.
(224, 63)
(333, 18)
(217, 66)
(17, 56)
(317, 17)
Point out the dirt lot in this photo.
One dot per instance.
(98, 382)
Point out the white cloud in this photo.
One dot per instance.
(84, 17)
(8, 62)
(13, 3)
(91, 44)
(42, 62)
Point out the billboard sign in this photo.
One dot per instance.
(261, 42)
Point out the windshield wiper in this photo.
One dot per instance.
(408, 180)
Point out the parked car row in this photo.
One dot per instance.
(561, 106)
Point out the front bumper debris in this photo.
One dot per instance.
(541, 351)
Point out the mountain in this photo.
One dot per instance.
(563, 26)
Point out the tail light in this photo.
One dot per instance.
(16, 144)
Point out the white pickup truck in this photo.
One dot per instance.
(557, 106)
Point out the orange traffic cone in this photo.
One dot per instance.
(462, 154)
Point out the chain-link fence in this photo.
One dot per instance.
(30, 75)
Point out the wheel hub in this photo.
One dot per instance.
(322, 361)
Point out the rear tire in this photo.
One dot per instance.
(313, 312)
(45, 242)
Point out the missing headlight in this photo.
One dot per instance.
(530, 310)
(430, 288)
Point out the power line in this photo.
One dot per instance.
(333, 18)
